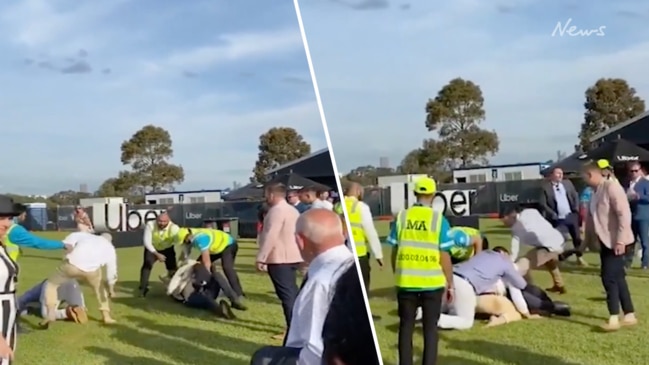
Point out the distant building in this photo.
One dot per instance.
(495, 173)
(83, 188)
(185, 197)
(384, 162)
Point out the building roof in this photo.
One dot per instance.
(500, 166)
(184, 192)
(294, 162)
(619, 126)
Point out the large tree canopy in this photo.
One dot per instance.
(456, 113)
(609, 102)
(278, 146)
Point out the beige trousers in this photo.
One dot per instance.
(540, 259)
(498, 306)
(67, 271)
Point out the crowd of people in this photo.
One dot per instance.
(445, 275)
(308, 239)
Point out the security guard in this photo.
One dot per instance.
(423, 270)
(214, 245)
(363, 233)
(159, 238)
(467, 242)
(17, 237)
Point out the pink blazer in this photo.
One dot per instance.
(609, 216)
(277, 244)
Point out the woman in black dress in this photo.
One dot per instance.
(8, 280)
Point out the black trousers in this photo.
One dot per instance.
(613, 276)
(364, 262)
(284, 278)
(149, 259)
(275, 355)
(431, 305)
(216, 283)
(228, 258)
(570, 224)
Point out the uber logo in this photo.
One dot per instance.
(453, 202)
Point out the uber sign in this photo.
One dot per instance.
(453, 202)
(118, 217)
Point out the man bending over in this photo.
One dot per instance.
(195, 287)
(69, 294)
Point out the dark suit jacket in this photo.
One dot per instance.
(301, 207)
(548, 199)
(640, 206)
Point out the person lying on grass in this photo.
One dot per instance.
(72, 305)
(195, 287)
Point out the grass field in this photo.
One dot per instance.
(151, 331)
(555, 341)
(157, 331)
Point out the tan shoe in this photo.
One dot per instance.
(106, 318)
(610, 326)
(629, 320)
(76, 314)
(279, 336)
(581, 262)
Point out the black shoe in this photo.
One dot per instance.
(44, 325)
(236, 304)
(376, 318)
(144, 292)
(561, 309)
(226, 310)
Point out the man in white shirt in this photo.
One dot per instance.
(320, 238)
(530, 228)
(159, 238)
(87, 256)
(322, 202)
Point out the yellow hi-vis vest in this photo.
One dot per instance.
(219, 239)
(162, 239)
(12, 249)
(356, 223)
(418, 256)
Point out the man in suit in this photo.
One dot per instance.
(559, 203)
(279, 254)
(293, 199)
(638, 193)
(608, 223)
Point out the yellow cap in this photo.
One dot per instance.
(603, 164)
(426, 186)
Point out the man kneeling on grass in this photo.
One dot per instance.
(72, 306)
(194, 286)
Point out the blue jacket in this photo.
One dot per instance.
(24, 239)
(301, 207)
(640, 206)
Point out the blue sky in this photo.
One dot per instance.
(78, 78)
(378, 61)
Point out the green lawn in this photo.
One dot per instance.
(155, 330)
(556, 341)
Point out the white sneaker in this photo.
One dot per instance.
(420, 315)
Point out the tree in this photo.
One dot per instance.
(609, 102)
(67, 197)
(279, 145)
(148, 152)
(456, 114)
(429, 159)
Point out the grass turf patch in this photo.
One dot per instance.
(555, 341)
(153, 330)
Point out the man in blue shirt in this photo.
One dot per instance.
(478, 276)
(22, 238)
(638, 194)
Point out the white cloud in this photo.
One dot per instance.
(236, 46)
(378, 69)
